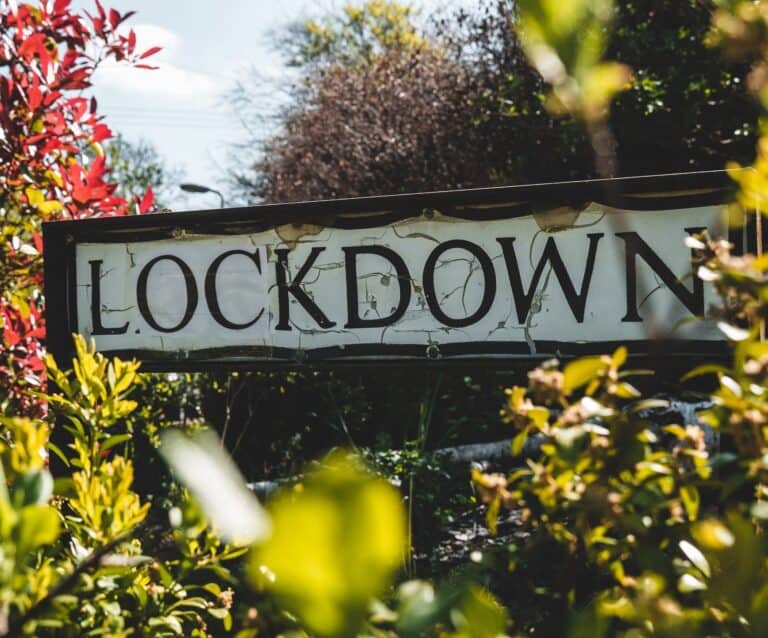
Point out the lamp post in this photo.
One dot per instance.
(199, 188)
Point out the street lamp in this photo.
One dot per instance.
(199, 188)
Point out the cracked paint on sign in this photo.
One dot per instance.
(240, 300)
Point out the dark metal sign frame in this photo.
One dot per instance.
(684, 190)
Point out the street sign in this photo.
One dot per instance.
(490, 275)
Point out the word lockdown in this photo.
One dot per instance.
(418, 287)
(494, 275)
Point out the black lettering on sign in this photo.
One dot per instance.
(635, 246)
(189, 282)
(98, 327)
(294, 288)
(403, 278)
(576, 300)
(212, 296)
(489, 290)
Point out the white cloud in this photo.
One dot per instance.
(169, 81)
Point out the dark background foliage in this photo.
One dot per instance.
(455, 106)
(464, 109)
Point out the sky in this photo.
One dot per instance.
(182, 108)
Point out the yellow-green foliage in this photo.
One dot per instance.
(96, 388)
(649, 508)
(336, 543)
(653, 533)
(390, 23)
(103, 501)
(740, 29)
(78, 563)
(23, 448)
(27, 522)
(565, 42)
(365, 31)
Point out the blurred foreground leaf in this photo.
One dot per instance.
(565, 42)
(335, 545)
(211, 476)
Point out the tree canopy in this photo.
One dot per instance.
(385, 105)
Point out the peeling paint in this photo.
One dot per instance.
(316, 280)
(559, 219)
(292, 234)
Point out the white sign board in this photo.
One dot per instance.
(442, 285)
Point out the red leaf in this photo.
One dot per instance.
(32, 45)
(36, 365)
(149, 52)
(114, 19)
(147, 201)
(37, 238)
(10, 336)
(60, 6)
(78, 79)
(70, 59)
(79, 107)
(131, 41)
(96, 171)
(51, 97)
(101, 132)
(35, 97)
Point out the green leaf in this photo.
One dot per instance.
(4, 495)
(689, 583)
(571, 30)
(114, 440)
(724, 458)
(492, 515)
(57, 451)
(140, 593)
(580, 372)
(194, 602)
(336, 543)
(539, 416)
(697, 558)
(570, 441)
(171, 622)
(50, 623)
(707, 368)
(619, 357)
(519, 442)
(712, 534)
(759, 510)
(420, 607)
(214, 481)
(32, 488)
(734, 333)
(691, 500)
(213, 588)
(649, 404)
(480, 615)
(676, 430)
(589, 622)
(218, 612)
(38, 525)
(626, 391)
(565, 41)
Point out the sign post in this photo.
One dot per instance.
(486, 275)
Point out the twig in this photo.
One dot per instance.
(15, 628)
